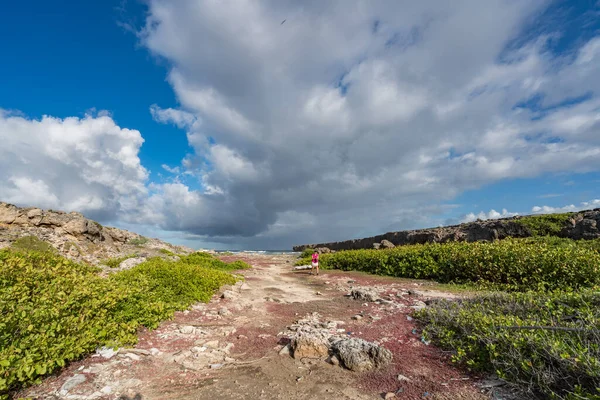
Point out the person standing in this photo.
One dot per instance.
(315, 261)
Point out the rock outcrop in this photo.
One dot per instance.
(581, 225)
(77, 237)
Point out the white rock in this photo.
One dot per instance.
(70, 383)
(106, 390)
(106, 352)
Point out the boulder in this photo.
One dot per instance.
(376, 246)
(309, 345)
(359, 355)
(131, 262)
(364, 294)
(386, 244)
(76, 227)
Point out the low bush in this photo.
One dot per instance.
(306, 253)
(32, 243)
(167, 252)
(548, 343)
(54, 310)
(213, 262)
(116, 261)
(513, 264)
(138, 241)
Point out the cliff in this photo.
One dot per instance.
(77, 237)
(581, 225)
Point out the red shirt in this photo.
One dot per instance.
(315, 257)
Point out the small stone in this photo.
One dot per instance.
(216, 366)
(186, 330)
(106, 390)
(132, 356)
(285, 351)
(224, 311)
(357, 317)
(228, 295)
(106, 352)
(333, 360)
(213, 344)
(319, 294)
(403, 378)
(154, 351)
(390, 395)
(73, 381)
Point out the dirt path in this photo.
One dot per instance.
(229, 348)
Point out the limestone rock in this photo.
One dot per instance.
(386, 244)
(309, 345)
(72, 382)
(360, 355)
(364, 294)
(131, 262)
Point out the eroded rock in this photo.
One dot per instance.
(359, 355)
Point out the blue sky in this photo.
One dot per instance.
(214, 125)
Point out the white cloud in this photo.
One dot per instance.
(87, 164)
(492, 214)
(586, 205)
(372, 109)
(170, 115)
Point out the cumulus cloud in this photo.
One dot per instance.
(586, 205)
(87, 164)
(352, 113)
(492, 214)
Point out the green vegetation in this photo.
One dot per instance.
(116, 261)
(167, 252)
(55, 310)
(511, 264)
(32, 243)
(200, 257)
(307, 253)
(545, 225)
(547, 342)
(542, 332)
(138, 241)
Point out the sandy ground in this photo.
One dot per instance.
(229, 348)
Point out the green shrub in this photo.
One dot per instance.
(138, 241)
(167, 252)
(545, 225)
(307, 253)
(547, 342)
(116, 261)
(213, 262)
(513, 264)
(32, 243)
(55, 310)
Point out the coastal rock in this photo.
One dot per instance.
(581, 225)
(364, 294)
(359, 355)
(386, 244)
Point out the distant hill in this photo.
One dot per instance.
(579, 225)
(76, 237)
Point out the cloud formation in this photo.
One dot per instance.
(586, 205)
(492, 214)
(351, 116)
(87, 164)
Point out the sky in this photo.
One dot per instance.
(262, 124)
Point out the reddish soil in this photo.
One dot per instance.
(211, 353)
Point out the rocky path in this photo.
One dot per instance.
(236, 347)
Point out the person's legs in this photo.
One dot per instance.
(317, 268)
